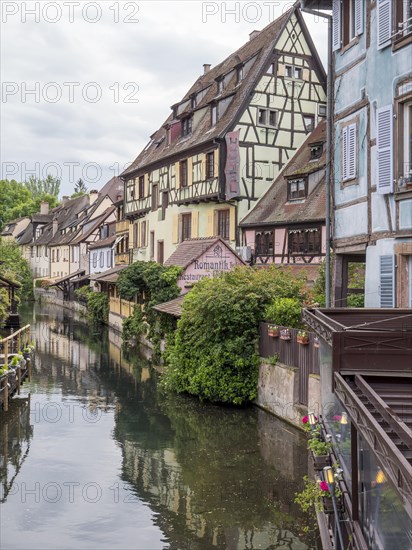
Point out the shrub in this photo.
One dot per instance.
(98, 307)
(285, 312)
(134, 325)
(214, 354)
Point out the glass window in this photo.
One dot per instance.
(296, 189)
(186, 126)
(186, 226)
(264, 243)
(223, 223)
(210, 165)
(183, 173)
(304, 241)
(141, 188)
(214, 114)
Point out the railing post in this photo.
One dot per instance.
(18, 341)
(6, 395)
(18, 378)
(6, 352)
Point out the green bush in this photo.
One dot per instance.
(214, 352)
(356, 300)
(285, 312)
(134, 326)
(98, 307)
(83, 292)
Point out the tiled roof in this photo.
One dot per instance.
(108, 241)
(108, 276)
(255, 56)
(173, 307)
(274, 208)
(189, 250)
(96, 222)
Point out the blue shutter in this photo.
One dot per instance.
(359, 4)
(336, 25)
(387, 281)
(384, 142)
(384, 21)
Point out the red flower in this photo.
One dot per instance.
(323, 486)
(305, 420)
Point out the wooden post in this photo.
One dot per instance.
(18, 342)
(18, 379)
(6, 395)
(6, 352)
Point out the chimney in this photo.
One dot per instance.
(253, 35)
(93, 194)
(44, 207)
(55, 226)
(206, 67)
(65, 198)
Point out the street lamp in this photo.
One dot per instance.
(312, 419)
(330, 480)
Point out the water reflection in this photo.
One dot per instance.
(173, 472)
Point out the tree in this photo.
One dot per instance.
(47, 186)
(80, 187)
(15, 268)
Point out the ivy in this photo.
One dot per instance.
(214, 351)
(154, 284)
(98, 307)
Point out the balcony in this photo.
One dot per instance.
(138, 207)
(197, 192)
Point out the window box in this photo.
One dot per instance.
(319, 462)
(327, 504)
(273, 331)
(285, 334)
(302, 338)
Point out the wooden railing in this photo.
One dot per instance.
(14, 343)
(120, 307)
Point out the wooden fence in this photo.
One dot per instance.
(305, 357)
(120, 307)
(11, 381)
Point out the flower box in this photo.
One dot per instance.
(303, 340)
(327, 504)
(285, 334)
(319, 462)
(273, 331)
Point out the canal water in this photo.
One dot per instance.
(94, 455)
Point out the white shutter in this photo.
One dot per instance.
(336, 24)
(387, 281)
(384, 21)
(349, 156)
(359, 17)
(384, 147)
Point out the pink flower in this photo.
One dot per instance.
(323, 486)
(305, 420)
(337, 417)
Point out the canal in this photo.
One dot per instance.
(94, 455)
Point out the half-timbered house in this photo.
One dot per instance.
(226, 140)
(287, 226)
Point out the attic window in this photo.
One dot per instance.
(316, 150)
(239, 74)
(193, 101)
(186, 126)
(159, 141)
(297, 189)
(322, 110)
(220, 86)
(214, 114)
(293, 72)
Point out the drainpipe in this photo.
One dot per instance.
(329, 130)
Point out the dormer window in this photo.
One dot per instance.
(168, 136)
(239, 74)
(220, 86)
(316, 150)
(214, 114)
(186, 126)
(193, 101)
(297, 189)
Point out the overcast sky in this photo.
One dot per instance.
(103, 76)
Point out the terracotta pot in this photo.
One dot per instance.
(303, 340)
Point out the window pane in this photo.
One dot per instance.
(223, 221)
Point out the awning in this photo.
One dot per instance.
(108, 276)
(173, 307)
(67, 278)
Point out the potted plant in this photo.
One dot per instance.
(320, 451)
(316, 494)
(302, 337)
(285, 334)
(273, 331)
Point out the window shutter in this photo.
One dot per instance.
(177, 175)
(384, 21)
(210, 223)
(175, 229)
(336, 29)
(131, 232)
(146, 185)
(195, 224)
(232, 223)
(344, 153)
(359, 17)
(147, 233)
(387, 281)
(384, 147)
(189, 171)
(352, 157)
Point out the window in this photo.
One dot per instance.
(264, 243)
(186, 227)
(309, 123)
(101, 259)
(141, 187)
(160, 252)
(152, 244)
(291, 71)
(297, 72)
(304, 241)
(32, 251)
(316, 150)
(143, 235)
(322, 110)
(165, 204)
(267, 117)
(220, 86)
(193, 101)
(187, 126)
(130, 190)
(271, 69)
(135, 235)
(58, 254)
(52, 255)
(210, 165)
(183, 173)
(214, 114)
(349, 152)
(288, 71)
(168, 136)
(94, 259)
(347, 21)
(239, 74)
(223, 223)
(297, 189)
(37, 251)
(403, 18)
(405, 149)
(155, 197)
(109, 259)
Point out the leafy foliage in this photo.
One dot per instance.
(98, 307)
(17, 201)
(15, 268)
(285, 312)
(154, 284)
(213, 354)
(134, 325)
(40, 187)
